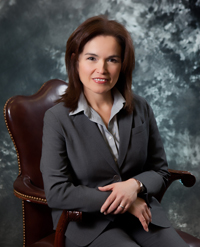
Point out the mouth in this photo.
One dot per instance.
(100, 80)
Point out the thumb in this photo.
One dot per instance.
(106, 188)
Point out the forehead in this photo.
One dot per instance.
(103, 44)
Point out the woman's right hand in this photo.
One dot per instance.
(140, 210)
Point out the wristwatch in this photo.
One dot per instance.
(141, 186)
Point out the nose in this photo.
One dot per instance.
(102, 67)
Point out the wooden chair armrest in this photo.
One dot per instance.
(63, 222)
(25, 190)
(185, 177)
(189, 239)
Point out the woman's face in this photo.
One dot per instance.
(99, 65)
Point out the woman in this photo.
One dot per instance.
(102, 153)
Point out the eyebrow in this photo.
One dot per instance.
(93, 54)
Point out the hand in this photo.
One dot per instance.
(140, 210)
(122, 196)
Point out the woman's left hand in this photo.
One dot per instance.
(122, 196)
(140, 210)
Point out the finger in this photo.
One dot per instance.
(107, 203)
(106, 188)
(113, 206)
(125, 206)
(120, 209)
(146, 216)
(149, 214)
(144, 223)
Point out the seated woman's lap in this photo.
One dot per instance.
(157, 236)
(121, 233)
(112, 237)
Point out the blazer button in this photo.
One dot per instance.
(116, 178)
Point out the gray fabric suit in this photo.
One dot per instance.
(76, 160)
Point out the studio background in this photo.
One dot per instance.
(166, 36)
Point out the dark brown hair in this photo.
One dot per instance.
(92, 27)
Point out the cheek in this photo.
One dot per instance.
(84, 70)
(116, 72)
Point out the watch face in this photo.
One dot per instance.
(141, 187)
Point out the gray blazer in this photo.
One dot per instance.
(76, 160)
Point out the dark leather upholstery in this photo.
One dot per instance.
(45, 242)
(24, 120)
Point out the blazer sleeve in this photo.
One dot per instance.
(60, 191)
(155, 174)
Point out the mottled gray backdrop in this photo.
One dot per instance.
(166, 36)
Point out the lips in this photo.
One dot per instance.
(100, 80)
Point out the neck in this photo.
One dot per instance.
(99, 101)
(102, 104)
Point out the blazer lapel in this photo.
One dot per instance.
(125, 126)
(92, 133)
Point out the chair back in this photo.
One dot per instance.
(24, 120)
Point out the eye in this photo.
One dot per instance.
(113, 60)
(91, 58)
